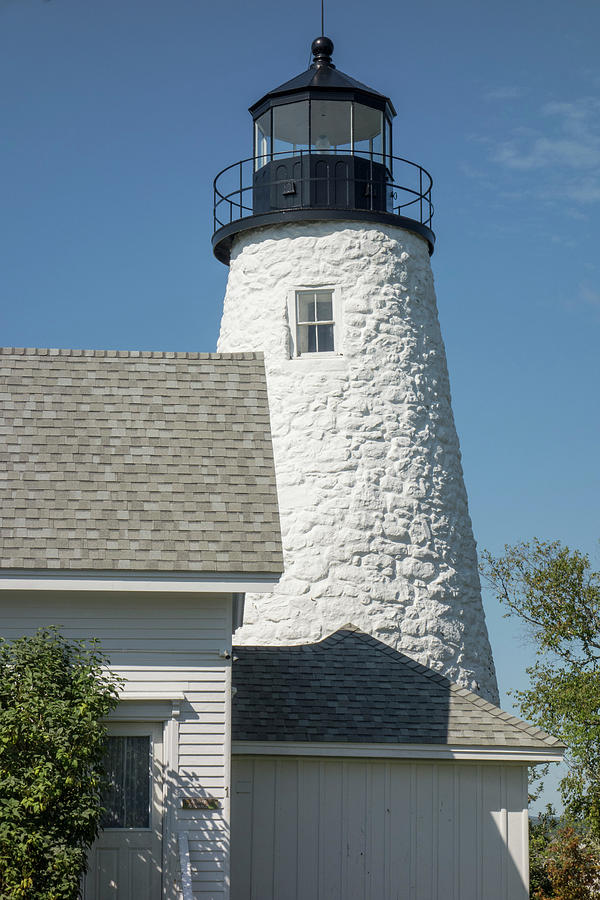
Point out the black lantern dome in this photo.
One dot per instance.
(322, 150)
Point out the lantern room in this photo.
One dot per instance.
(322, 140)
(322, 149)
(322, 110)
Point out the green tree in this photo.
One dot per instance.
(53, 695)
(541, 833)
(571, 868)
(554, 591)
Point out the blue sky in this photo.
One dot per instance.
(116, 115)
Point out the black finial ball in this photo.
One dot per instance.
(322, 46)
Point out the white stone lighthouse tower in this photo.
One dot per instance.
(328, 238)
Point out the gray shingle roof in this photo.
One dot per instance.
(352, 687)
(136, 461)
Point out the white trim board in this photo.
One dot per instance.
(152, 695)
(84, 580)
(398, 751)
(136, 708)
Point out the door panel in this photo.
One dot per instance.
(140, 873)
(125, 862)
(107, 873)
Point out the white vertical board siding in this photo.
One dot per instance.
(333, 829)
(164, 645)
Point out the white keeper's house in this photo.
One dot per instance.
(300, 492)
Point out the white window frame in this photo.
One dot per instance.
(293, 321)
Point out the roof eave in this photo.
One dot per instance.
(304, 83)
(273, 99)
(443, 752)
(123, 580)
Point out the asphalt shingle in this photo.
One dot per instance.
(352, 687)
(127, 460)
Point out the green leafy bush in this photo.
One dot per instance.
(53, 695)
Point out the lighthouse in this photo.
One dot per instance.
(328, 237)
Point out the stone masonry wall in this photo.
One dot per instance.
(374, 515)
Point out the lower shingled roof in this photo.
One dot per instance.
(352, 687)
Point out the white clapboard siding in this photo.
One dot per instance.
(164, 645)
(333, 829)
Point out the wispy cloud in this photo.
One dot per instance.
(585, 298)
(589, 296)
(506, 92)
(548, 152)
(562, 145)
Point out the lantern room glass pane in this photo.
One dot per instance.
(126, 798)
(368, 131)
(290, 127)
(388, 142)
(330, 126)
(262, 140)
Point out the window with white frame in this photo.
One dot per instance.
(315, 326)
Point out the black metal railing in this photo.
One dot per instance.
(376, 182)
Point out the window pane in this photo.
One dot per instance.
(306, 307)
(127, 795)
(307, 338)
(290, 127)
(368, 127)
(324, 307)
(325, 336)
(262, 140)
(330, 125)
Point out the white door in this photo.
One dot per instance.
(125, 862)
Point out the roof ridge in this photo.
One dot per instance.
(336, 637)
(471, 696)
(125, 354)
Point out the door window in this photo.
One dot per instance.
(127, 796)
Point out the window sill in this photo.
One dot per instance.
(322, 354)
(320, 361)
